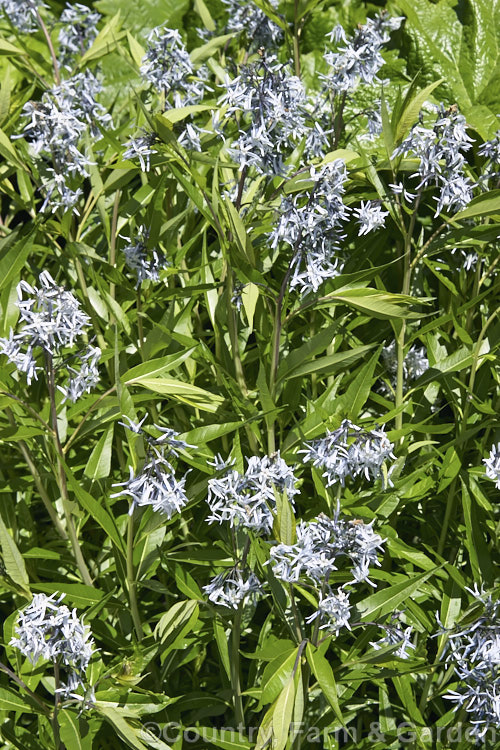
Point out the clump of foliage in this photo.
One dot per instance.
(248, 374)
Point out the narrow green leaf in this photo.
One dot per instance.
(185, 392)
(410, 114)
(74, 730)
(481, 205)
(173, 623)
(95, 510)
(388, 599)
(99, 463)
(324, 674)
(13, 560)
(282, 715)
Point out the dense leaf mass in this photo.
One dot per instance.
(250, 451)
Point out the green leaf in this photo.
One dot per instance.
(324, 674)
(475, 541)
(481, 205)
(217, 737)
(176, 622)
(358, 392)
(105, 42)
(181, 113)
(6, 48)
(155, 367)
(95, 510)
(200, 54)
(180, 391)
(131, 734)
(284, 523)
(74, 730)
(143, 15)
(378, 304)
(388, 599)
(78, 594)
(411, 111)
(11, 701)
(328, 364)
(276, 675)
(99, 463)
(282, 715)
(13, 560)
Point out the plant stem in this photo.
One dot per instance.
(61, 476)
(450, 503)
(400, 341)
(235, 668)
(275, 349)
(55, 722)
(296, 35)
(131, 579)
(38, 480)
(46, 34)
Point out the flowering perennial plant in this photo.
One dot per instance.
(168, 67)
(249, 499)
(311, 226)
(156, 484)
(473, 651)
(23, 14)
(48, 629)
(440, 151)
(53, 321)
(359, 59)
(351, 451)
(145, 263)
(232, 588)
(55, 131)
(250, 20)
(233, 230)
(78, 32)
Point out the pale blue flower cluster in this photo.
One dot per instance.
(49, 630)
(52, 321)
(360, 58)
(249, 500)
(473, 651)
(79, 30)
(311, 223)
(22, 13)
(351, 451)
(168, 67)
(232, 587)
(441, 158)
(249, 19)
(146, 263)
(155, 484)
(55, 131)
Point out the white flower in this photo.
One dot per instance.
(321, 544)
(48, 629)
(442, 162)
(492, 464)
(167, 66)
(394, 635)
(360, 58)
(147, 263)
(333, 611)
(22, 13)
(473, 651)
(231, 588)
(78, 32)
(370, 216)
(249, 500)
(350, 451)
